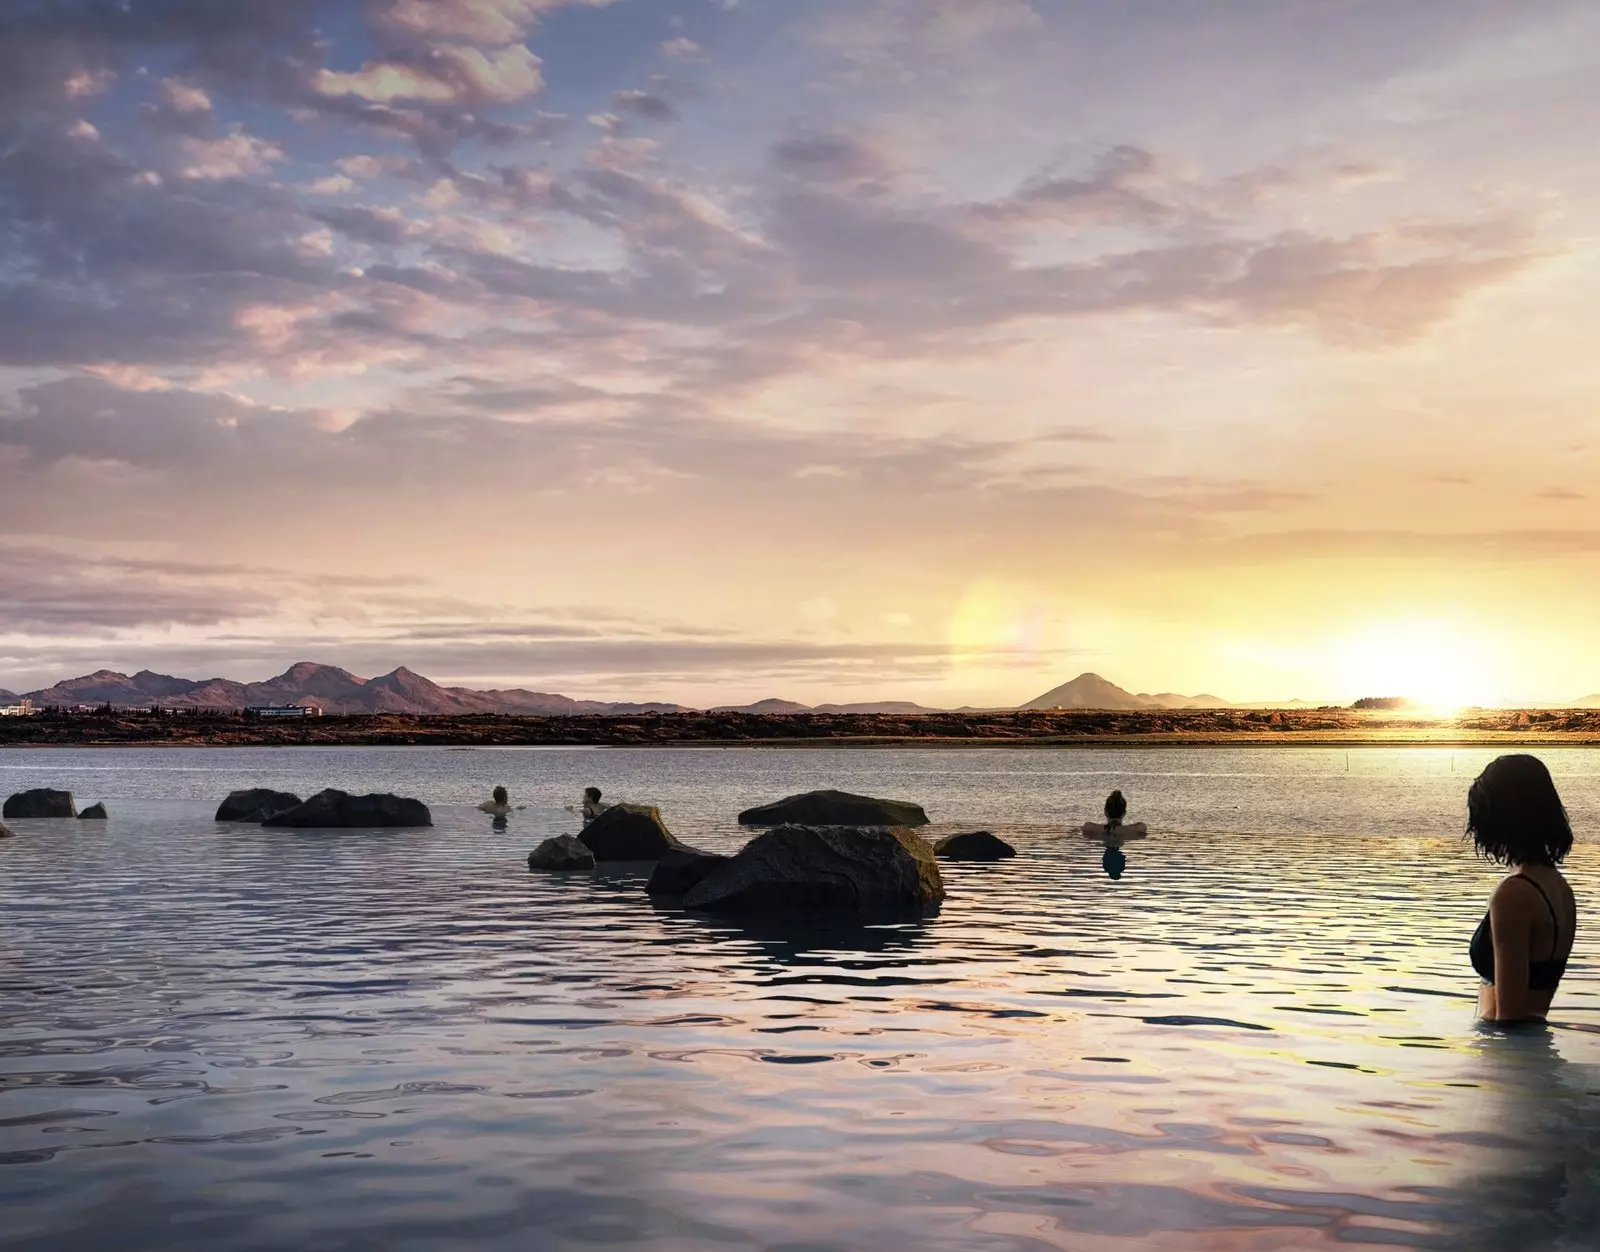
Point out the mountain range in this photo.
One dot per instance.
(336, 690)
(332, 689)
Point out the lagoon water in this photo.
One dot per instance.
(1260, 1037)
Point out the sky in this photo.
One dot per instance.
(711, 350)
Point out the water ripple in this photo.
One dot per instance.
(235, 1038)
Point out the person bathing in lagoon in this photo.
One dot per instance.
(499, 804)
(1520, 949)
(592, 808)
(1114, 830)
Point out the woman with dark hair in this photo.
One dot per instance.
(1113, 830)
(499, 803)
(1520, 949)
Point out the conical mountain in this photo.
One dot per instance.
(1088, 691)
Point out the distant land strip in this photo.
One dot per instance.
(1035, 728)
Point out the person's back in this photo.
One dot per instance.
(499, 803)
(1113, 828)
(1521, 947)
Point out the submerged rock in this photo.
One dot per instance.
(975, 845)
(564, 852)
(824, 869)
(334, 808)
(40, 802)
(255, 804)
(5, 831)
(835, 808)
(95, 812)
(629, 832)
(681, 869)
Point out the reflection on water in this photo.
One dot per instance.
(236, 1038)
(1542, 1191)
(1115, 861)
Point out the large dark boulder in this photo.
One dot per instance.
(681, 869)
(40, 802)
(831, 869)
(561, 853)
(975, 845)
(255, 805)
(94, 813)
(333, 808)
(629, 832)
(835, 808)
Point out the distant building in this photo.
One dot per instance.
(25, 709)
(284, 710)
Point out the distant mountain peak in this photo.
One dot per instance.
(1088, 691)
(304, 671)
(1091, 691)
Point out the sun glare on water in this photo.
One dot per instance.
(1435, 667)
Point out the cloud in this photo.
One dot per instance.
(234, 155)
(448, 73)
(829, 158)
(644, 105)
(381, 224)
(51, 591)
(471, 21)
(184, 97)
(682, 49)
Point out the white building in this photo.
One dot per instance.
(285, 710)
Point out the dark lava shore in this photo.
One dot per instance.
(1045, 728)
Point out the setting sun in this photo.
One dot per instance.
(1435, 665)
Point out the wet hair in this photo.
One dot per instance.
(591, 793)
(499, 795)
(1514, 814)
(1116, 809)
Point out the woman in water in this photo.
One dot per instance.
(1113, 830)
(499, 804)
(1521, 946)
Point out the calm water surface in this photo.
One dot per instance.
(1260, 1037)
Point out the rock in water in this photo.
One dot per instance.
(629, 832)
(563, 853)
(95, 812)
(334, 808)
(824, 869)
(40, 802)
(5, 833)
(682, 869)
(976, 845)
(835, 808)
(255, 805)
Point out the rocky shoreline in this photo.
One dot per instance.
(1037, 728)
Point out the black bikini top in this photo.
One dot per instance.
(1542, 975)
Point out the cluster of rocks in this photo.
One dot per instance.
(327, 810)
(330, 809)
(45, 802)
(824, 851)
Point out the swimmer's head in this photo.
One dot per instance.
(500, 795)
(1514, 813)
(591, 793)
(1116, 807)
